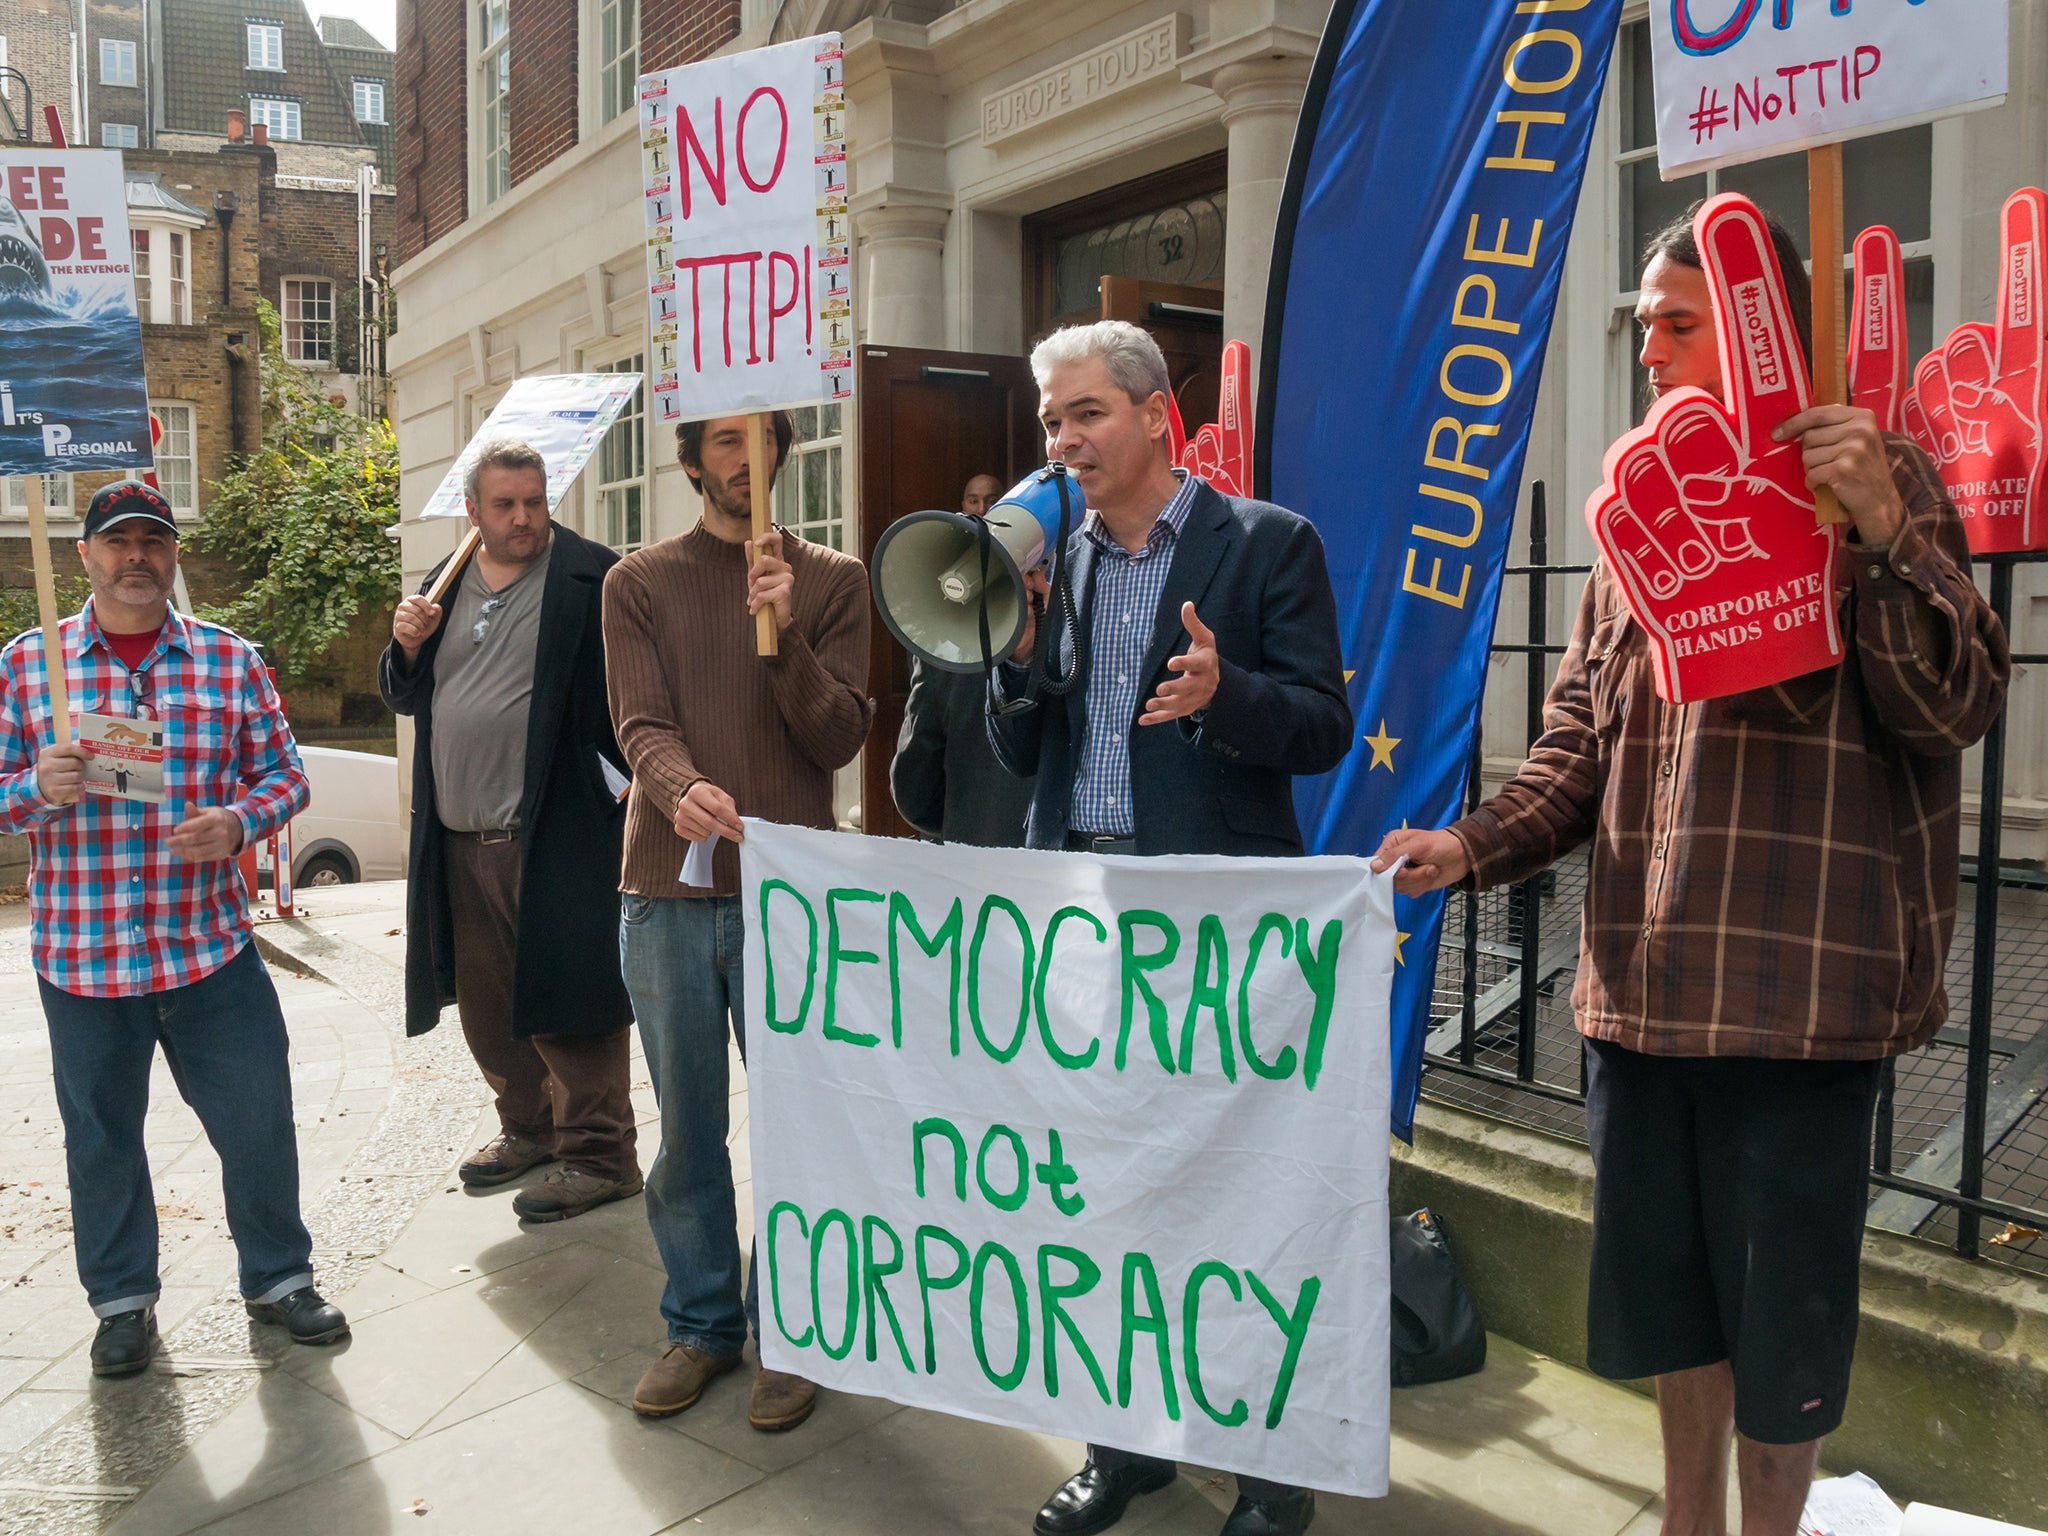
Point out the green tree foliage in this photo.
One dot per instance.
(304, 518)
(18, 605)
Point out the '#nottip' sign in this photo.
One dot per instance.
(71, 389)
(1741, 79)
(749, 242)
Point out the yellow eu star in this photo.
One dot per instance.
(1382, 749)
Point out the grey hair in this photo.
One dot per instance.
(1135, 363)
(502, 453)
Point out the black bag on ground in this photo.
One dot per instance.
(1437, 1334)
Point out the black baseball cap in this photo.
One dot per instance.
(124, 501)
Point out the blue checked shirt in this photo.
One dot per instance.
(1122, 602)
(113, 913)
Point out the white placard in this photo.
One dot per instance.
(749, 241)
(562, 416)
(1741, 79)
(1090, 1146)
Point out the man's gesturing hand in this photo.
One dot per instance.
(770, 581)
(207, 836)
(60, 772)
(708, 811)
(1195, 688)
(1435, 860)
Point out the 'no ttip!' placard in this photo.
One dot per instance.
(1705, 522)
(749, 243)
(1741, 79)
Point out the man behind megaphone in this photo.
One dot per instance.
(1203, 673)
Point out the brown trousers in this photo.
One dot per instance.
(571, 1092)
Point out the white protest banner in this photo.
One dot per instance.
(1090, 1146)
(562, 416)
(749, 242)
(71, 390)
(1741, 79)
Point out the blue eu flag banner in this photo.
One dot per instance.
(1420, 244)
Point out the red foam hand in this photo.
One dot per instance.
(1221, 453)
(1978, 399)
(1708, 525)
(1877, 338)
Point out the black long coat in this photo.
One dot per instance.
(565, 974)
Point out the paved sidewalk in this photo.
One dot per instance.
(486, 1387)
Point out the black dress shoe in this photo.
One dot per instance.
(1093, 1499)
(1287, 1514)
(124, 1343)
(310, 1319)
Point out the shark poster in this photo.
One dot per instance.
(72, 395)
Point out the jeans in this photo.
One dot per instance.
(683, 963)
(224, 1038)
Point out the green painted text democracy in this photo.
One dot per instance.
(1192, 993)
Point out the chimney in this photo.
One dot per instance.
(235, 126)
(262, 134)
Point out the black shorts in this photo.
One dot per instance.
(1728, 1203)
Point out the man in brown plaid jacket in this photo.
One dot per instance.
(1772, 895)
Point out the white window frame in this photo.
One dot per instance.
(300, 329)
(163, 270)
(180, 420)
(120, 136)
(619, 472)
(263, 46)
(6, 85)
(490, 94)
(368, 91)
(120, 53)
(827, 444)
(277, 114)
(57, 492)
(621, 69)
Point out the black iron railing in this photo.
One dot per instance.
(1962, 1127)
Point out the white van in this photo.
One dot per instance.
(350, 832)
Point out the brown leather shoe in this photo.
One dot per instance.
(781, 1401)
(567, 1192)
(502, 1159)
(678, 1379)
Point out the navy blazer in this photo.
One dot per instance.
(1256, 575)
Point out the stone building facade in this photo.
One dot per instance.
(1021, 163)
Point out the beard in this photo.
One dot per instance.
(732, 500)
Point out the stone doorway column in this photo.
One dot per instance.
(901, 285)
(1261, 102)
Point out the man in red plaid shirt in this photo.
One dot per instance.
(140, 926)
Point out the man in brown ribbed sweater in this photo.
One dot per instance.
(714, 732)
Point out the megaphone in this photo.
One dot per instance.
(937, 573)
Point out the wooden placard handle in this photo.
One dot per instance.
(46, 610)
(457, 563)
(767, 641)
(1824, 223)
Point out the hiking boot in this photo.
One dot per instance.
(781, 1401)
(124, 1343)
(678, 1379)
(502, 1159)
(310, 1319)
(570, 1192)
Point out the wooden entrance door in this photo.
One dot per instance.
(929, 422)
(1188, 325)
